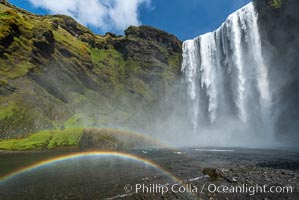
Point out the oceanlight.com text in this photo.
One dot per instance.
(210, 188)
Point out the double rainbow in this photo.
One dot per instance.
(101, 154)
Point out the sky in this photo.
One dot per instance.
(184, 18)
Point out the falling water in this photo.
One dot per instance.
(226, 77)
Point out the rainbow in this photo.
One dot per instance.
(62, 158)
(133, 135)
(101, 154)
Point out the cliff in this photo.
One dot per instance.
(56, 73)
(280, 40)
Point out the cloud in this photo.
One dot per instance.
(106, 15)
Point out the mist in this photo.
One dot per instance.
(232, 91)
(226, 87)
(205, 108)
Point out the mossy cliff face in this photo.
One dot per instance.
(54, 73)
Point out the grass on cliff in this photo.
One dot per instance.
(109, 63)
(7, 111)
(275, 3)
(44, 140)
(17, 118)
(14, 116)
(78, 121)
(12, 25)
(90, 138)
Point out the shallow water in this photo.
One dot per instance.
(98, 177)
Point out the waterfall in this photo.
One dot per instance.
(226, 78)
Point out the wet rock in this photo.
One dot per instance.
(44, 43)
(281, 49)
(100, 141)
(213, 173)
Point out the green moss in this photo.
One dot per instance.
(44, 140)
(12, 26)
(102, 134)
(139, 87)
(73, 44)
(78, 121)
(97, 55)
(24, 43)
(3, 15)
(100, 139)
(276, 3)
(16, 118)
(35, 141)
(110, 55)
(173, 68)
(77, 98)
(8, 111)
(174, 60)
(109, 64)
(11, 12)
(162, 49)
(3, 83)
(21, 69)
(65, 138)
(132, 67)
(13, 69)
(9, 18)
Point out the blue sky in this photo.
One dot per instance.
(184, 18)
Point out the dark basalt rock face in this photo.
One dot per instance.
(45, 43)
(279, 29)
(152, 34)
